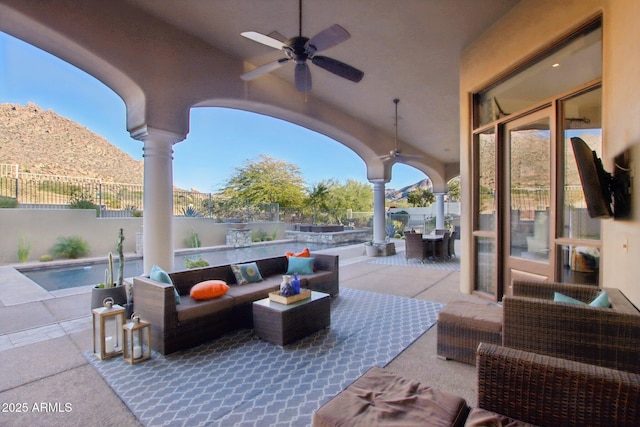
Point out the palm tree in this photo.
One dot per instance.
(318, 196)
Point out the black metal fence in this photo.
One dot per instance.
(34, 191)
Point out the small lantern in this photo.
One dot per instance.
(107, 329)
(137, 340)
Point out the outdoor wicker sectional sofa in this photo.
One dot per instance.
(189, 323)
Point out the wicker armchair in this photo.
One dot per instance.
(608, 337)
(549, 391)
(415, 247)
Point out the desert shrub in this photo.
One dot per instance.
(8, 202)
(70, 247)
(259, 235)
(195, 263)
(193, 241)
(46, 258)
(83, 200)
(24, 248)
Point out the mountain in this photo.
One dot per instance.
(395, 195)
(44, 142)
(41, 141)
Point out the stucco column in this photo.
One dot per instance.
(440, 211)
(379, 215)
(157, 220)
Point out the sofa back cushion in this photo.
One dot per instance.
(270, 266)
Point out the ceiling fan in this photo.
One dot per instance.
(299, 49)
(396, 153)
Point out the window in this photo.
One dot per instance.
(530, 217)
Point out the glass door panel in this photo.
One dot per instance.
(528, 208)
(530, 182)
(486, 192)
(582, 118)
(579, 234)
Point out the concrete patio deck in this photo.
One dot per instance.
(46, 381)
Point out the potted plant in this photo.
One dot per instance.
(111, 288)
(370, 249)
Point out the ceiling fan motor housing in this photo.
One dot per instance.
(295, 49)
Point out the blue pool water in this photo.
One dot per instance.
(77, 275)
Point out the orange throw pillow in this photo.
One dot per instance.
(303, 254)
(208, 290)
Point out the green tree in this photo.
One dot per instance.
(317, 198)
(352, 194)
(454, 189)
(421, 197)
(267, 180)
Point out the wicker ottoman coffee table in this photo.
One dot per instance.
(283, 324)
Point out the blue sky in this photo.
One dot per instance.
(219, 141)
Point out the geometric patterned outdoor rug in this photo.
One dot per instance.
(399, 260)
(239, 380)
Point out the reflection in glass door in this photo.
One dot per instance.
(529, 207)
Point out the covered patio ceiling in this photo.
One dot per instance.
(407, 49)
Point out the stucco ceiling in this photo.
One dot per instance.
(408, 49)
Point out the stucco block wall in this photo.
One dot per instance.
(41, 228)
(526, 29)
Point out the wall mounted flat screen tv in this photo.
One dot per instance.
(596, 182)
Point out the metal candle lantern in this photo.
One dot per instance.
(137, 340)
(107, 329)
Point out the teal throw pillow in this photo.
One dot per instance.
(160, 275)
(301, 265)
(558, 297)
(601, 300)
(246, 273)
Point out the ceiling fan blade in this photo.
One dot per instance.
(303, 78)
(261, 38)
(276, 35)
(264, 69)
(338, 68)
(325, 39)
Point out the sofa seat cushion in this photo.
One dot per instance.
(484, 317)
(482, 418)
(190, 309)
(380, 397)
(245, 294)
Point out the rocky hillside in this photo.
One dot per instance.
(396, 195)
(44, 142)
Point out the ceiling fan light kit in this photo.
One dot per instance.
(299, 49)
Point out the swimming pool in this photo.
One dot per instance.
(77, 275)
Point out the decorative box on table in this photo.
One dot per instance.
(276, 297)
